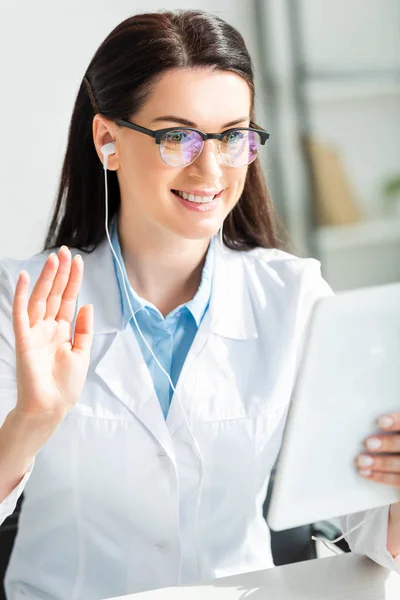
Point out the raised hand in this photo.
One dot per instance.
(51, 367)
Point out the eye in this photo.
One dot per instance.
(176, 136)
(235, 136)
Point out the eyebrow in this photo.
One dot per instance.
(188, 123)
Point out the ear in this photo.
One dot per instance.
(104, 131)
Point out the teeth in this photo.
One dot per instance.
(193, 198)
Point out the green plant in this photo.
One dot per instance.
(391, 188)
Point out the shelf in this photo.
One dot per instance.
(339, 90)
(351, 75)
(352, 236)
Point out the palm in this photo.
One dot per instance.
(51, 370)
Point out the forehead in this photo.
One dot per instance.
(207, 97)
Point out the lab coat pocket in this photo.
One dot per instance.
(233, 448)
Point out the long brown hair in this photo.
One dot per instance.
(116, 84)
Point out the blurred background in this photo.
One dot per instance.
(328, 83)
(328, 78)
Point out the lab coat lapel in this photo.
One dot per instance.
(121, 367)
(126, 374)
(230, 317)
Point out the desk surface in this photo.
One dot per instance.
(342, 577)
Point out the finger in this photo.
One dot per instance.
(60, 281)
(392, 479)
(383, 443)
(38, 300)
(84, 329)
(20, 306)
(68, 303)
(390, 422)
(385, 464)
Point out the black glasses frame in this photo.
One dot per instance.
(158, 133)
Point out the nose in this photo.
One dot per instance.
(208, 163)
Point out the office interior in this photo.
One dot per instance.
(328, 85)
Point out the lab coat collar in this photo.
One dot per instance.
(231, 311)
(232, 314)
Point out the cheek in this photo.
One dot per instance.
(236, 181)
(144, 169)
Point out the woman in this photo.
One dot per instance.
(131, 485)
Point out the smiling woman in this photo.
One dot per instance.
(145, 383)
(183, 161)
(181, 80)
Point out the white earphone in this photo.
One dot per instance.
(106, 150)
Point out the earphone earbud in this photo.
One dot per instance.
(106, 150)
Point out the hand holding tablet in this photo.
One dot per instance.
(349, 378)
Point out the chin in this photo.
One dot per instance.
(204, 232)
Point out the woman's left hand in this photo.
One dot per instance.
(381, 461)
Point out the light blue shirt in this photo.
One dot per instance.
(169, 338)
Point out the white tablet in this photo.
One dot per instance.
(349, 376)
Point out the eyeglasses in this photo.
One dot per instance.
(179, 146)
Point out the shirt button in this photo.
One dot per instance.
(162, 455)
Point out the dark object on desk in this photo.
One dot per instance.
(295, 545)
(8, 531)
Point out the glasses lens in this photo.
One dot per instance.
(240, 147)
(180, 147)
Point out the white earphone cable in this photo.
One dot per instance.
(328, 543)
(199, 496)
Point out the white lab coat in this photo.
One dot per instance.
(117, 501)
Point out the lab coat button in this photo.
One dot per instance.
(162, 455)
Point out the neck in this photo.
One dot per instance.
(163, 269)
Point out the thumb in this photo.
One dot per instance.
(84, 329)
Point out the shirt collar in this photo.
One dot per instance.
(197, 306)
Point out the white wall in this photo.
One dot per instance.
(45, 47)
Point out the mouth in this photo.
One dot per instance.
(195, 198)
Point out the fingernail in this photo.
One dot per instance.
(385, 422)
(364, 472)
(365, 461)
(374, 443)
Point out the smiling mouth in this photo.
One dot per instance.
(193, 198)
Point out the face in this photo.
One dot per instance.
(151, 191)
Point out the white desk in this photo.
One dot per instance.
(342, 577)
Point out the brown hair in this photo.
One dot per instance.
(116, 84)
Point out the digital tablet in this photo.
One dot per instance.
(348, 377)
